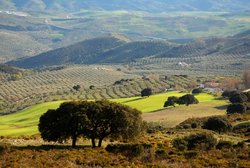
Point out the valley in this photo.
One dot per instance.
(135, 83)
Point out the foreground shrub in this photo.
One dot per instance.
(224, 145)
(201, 141)
(129, 150)
(153, 127)
(4, 148)
(180, 143)
(217, 124)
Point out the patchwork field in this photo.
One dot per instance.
(25, 122)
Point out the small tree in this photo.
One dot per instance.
(146, 92)
(188, 99)
(197, 90)
(236, 108)
(77, 87)
(228, 93)
(238, 98)
(217, 124)
(171, 101)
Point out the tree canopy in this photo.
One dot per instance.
(94, 120)
(218, 124)
(63, 123)
(239, 98)
(236, 108)
(188, 99)
(172, 100)
(146, 92)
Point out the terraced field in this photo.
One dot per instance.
(58, 85)
(25, 122)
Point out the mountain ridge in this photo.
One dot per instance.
(115, 50)
(138, 5)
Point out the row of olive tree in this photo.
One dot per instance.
(93, 120)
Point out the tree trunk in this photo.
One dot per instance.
(100, 142)
(93, 143)
(74, 138)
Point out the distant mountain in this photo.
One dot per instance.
(238, 44)
(120, 50)
(81, 53)
(141, 5)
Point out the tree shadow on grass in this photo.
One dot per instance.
(224, 107)
(133, 100)
(51, 147)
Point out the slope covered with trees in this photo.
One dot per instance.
(117, 50)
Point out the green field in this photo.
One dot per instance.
(25, 121)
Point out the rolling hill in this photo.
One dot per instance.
(85, 52)
(114, 50)
(136, 5)
(135, 50)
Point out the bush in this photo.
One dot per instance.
(4, 147)
(224, 145)
(171, 101)
(236, 108)
(204, 141)
(194, 125)
(239, 98)
(197, 90)
(188, 99)
(180, 144)
(146, 92)
(228, 93)
(153, 127)
(218, 124)
(129, 150)
(201, 141)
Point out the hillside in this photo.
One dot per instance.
(114, 50)
(13, 124)
(135, 50)
(141, 5)
(211, 46)
(85, 52)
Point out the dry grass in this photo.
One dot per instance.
(173, 116)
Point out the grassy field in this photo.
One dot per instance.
(25, 122)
